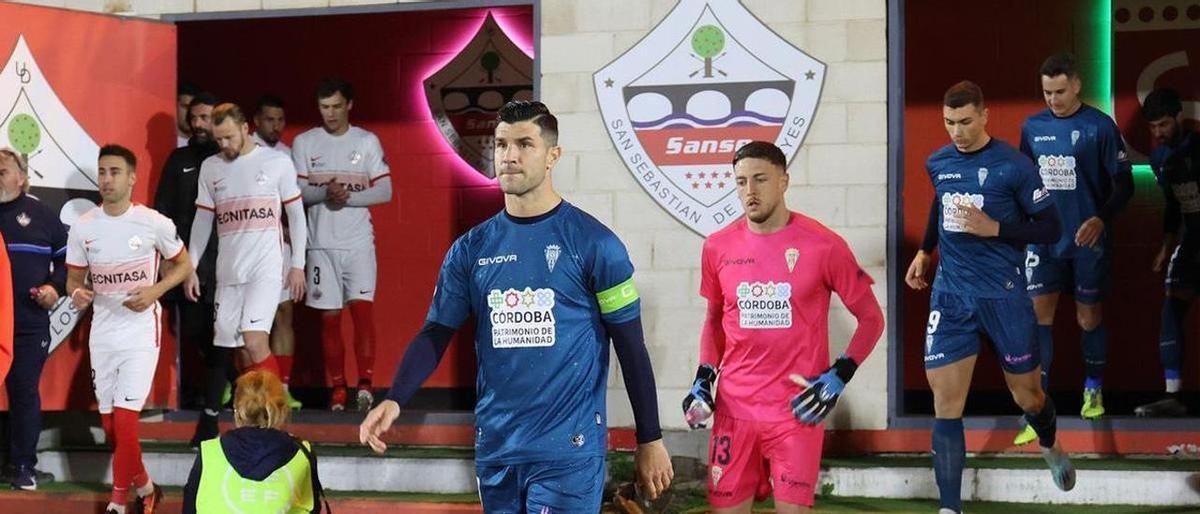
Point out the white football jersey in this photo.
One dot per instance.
(247, 197)
(354, 159)
(121, 254)
(279, 147)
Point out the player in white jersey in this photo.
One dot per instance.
(120, 244)
(342, 173)
(268, 130)
(246, 187)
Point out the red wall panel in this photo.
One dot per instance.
(436, 196)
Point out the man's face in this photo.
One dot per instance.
(523, 158)
(201, 121)
(231, 136)
(269, 124)
(116, 179)
(760, 187)
(1061, 93)
(335, 112)
(12, 181)
(181, 111)
(1164, 130)
(965, 125)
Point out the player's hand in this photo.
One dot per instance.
(336, 193)
(698, 405)
(141, 299)
(378, 421)
(977, 222)
(652, 465)
(45, 296)
(295, 283)
(818, 397)
(191, 287)
(917, 276)
(1160, 260)
(82, 297)
(1089, 232)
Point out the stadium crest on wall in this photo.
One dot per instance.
(465, 95)
(708, 79)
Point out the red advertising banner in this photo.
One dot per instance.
(73, 82)
(1157, 44)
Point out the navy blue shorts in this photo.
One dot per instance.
(1183, 277)
(1085, 275)
(568, 487)
(957, 321)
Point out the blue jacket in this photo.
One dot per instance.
(37, 247)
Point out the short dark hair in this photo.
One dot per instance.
(761, 150)
(267, 100)
(1060, 64)
(186, 88)
(227, 111)
(1160, 103)
(535, 112)
(202, 98)
(119, 151)
(330, 86)
(962, 94)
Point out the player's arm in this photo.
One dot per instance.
(176, 266)
(1040, 223)
(202, 226)
(379, 189)
(77, 271)
(917, 276)
(853, 285)
(1120, 172)
(293, 208)
(620, 312)
(700, 401)
(449, 309)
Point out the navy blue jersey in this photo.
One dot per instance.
(1006, 186)
(1076, 157)
(541, 290)
(37, 249)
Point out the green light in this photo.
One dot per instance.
(1139, 169)
(1104, 55)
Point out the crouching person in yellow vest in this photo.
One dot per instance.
(256, 467)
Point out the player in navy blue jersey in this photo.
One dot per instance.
(549, 287)
(989, 202)
(1081, 158)
(1176, 164)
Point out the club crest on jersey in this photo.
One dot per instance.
(261, 179)
(552, 253)
(983, 173)
(1074, 137)
(791, 255)
(709, 78)
(37, 125)
(716, 473)
(135, 242)
(355, 157)
(23, 220)
(465, 95)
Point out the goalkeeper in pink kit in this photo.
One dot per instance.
(768, 279)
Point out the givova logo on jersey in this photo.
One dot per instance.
(522, 318)
(1058, 171)
(709, 78)
(764, 304)
(954, 210)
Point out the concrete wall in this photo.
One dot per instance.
(839, 176)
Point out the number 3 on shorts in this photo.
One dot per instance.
(934, 318)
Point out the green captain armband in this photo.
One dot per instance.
(617, 297)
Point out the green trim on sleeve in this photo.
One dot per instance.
(617, 297)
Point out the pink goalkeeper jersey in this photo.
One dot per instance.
(775, 291)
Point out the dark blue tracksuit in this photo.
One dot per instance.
(37, 248)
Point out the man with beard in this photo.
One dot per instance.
(176, 199)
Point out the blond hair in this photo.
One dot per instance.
(226, 111)
(22, 165)
(260, 401)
